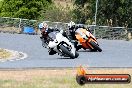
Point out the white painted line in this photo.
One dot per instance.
(24, 55)
(15, 56)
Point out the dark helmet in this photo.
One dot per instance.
(80, 25)
(71, 25)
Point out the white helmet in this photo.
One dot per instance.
(71, 24)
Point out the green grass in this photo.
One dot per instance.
(55, 82)
(4, 54)
(60, 83)
(10, 30)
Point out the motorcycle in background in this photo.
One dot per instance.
(87, 40)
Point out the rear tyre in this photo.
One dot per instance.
(67, 52)
(95, 46)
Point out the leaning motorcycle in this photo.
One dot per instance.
(62, 45)
(87, 40)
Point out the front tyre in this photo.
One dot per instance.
(95, 46)
(67, 52)
(76, 54)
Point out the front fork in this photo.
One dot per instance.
(69, 43)
(88, 42)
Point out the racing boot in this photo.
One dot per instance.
(78, 47)
(52, 52)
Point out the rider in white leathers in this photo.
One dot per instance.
(45, 30)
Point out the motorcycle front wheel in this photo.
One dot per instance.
(76, 54)
(95, 46)
(67, 52)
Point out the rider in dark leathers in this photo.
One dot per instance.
(45, 30)
(72, 27)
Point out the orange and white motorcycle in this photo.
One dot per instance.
(87, 40)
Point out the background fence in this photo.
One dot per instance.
(16, 25)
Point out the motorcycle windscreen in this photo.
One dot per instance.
(52, 35)
(80, 31)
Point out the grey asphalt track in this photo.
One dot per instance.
(116, 53)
